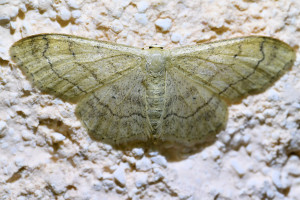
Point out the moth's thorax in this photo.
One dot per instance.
(156, 60)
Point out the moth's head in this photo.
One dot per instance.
(155, 47)
(155, 50)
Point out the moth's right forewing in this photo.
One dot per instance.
(70, 67)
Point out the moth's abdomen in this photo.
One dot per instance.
(155, 92)
(155, 87)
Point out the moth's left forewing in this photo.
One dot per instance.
(236, 67)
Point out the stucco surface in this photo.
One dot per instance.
(45, 152)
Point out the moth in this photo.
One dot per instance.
(127, 94)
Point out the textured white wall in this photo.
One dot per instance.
(45, 153)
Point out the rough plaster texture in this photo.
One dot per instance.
(45, 153)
